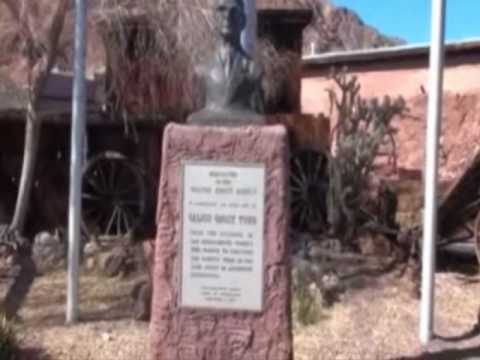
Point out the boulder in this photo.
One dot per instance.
(49, 251)
(114, 262)
(142, 300)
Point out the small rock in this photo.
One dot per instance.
(106, 337)
(299, 243)
(142, 300)
(331, 287)
(49, 251)
(374, 244)
(114, 262)
(148, 247)
(90, 263)
(330, 281)
(91, 248)
(45, 238)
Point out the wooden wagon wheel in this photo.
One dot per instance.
(477, 237)
(113, 196)
(308, 189)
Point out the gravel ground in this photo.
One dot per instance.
(377, 320)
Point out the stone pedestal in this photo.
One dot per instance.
(187, 327)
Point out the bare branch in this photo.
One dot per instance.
(19, 12)
(14, 8)
(54, 33)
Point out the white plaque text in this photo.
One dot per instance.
(222, 236)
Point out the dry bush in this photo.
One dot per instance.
(32, 33)
(281, 74)
(153, 49)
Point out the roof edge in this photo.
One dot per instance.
(401, 51)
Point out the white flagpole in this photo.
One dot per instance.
(431, 170)
(78, 131)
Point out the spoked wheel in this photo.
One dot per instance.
(476, 238)
(308, 189)
(113, 196)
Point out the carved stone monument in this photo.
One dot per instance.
(221, 286)
(221, 278)
(232, 80)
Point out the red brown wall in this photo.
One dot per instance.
(409, 78)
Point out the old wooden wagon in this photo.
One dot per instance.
(122, 157)
(120, 164)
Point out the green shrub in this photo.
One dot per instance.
(8, 340)
(306, 298)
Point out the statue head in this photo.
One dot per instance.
(230, 19)
(232, 80)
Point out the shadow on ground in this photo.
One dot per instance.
(31, 353)
(472, 353)
(457, 350)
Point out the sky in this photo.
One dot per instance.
(410, 19)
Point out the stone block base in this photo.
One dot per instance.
(178, 333)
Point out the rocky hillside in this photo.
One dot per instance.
(338, 28)
(334, 28)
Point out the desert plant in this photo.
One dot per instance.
(363, 128)
(306, 295)
(306, 304)
(8, 340)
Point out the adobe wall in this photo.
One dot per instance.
(405, 78)
(461, 106)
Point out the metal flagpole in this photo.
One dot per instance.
(78, 131)
(431, 169)
(249, 35)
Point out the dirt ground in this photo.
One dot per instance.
(377, 318)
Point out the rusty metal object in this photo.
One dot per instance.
(462, 200)
(459, 211)
(477, 237)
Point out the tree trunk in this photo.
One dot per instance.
(32, 140)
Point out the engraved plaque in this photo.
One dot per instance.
(222, 236)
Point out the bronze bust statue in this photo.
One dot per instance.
(232, 80)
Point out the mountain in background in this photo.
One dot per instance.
(337, 28)
(334, 28)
